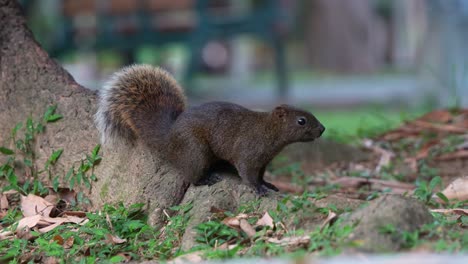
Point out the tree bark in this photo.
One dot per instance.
(31, 80)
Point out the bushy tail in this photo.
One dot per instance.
(139, 101)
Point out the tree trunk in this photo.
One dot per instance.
(31, 80)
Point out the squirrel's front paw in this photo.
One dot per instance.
(261, 190)
(270, 186)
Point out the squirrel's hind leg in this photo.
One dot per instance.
(265, 183)
(193, 159)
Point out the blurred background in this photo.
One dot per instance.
(361, 65)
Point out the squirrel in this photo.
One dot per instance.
(144, 102)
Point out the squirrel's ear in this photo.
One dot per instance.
(279, 111)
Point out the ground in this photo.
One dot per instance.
(400, 191)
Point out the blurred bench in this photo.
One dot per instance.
(126, 24)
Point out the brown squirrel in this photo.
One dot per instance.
(143, 102)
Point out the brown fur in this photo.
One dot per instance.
(152, 108)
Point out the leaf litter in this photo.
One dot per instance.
(37, 215)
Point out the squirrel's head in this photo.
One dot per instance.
(297, 125)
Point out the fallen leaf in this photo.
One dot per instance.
(247, 228)
(234, 221)
(231, 221)
(194, 257)
(458, 211)
(34, 205)
(66, 219)
(290, 241)
(457, 190)
(58, 239)
(331, 216)
(30, 221)
(3, 202)
(69, 242)
(266, 220)
(52, 198)
(440, 127)
(440, 116)
(115, 239)
(74, 213)
(227, 246)
(50, 227)
(74, 219)
(50, 260)
(5, 234)
(460, 154)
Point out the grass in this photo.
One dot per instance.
(349, 125)
(119, 233)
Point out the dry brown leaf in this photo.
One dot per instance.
(458, 211)
(3, 202)
(33, 205)
(234, 221)
(331, 216)
(440, 116)
(290, 241)
(51, 260)
(49, 223)
(10, 192)
(226, 246)
(52, 198)
(58, 239)
(69, 242)
(440, 127)
(66, 219)
(74, 213)
(457, 190)
(460, 154)
(231, 222)
(50, 227)
(52, 220)
(111, 239)
(30, 221)
(247, 228)
(266, 220)
(194, 257)
(5, 234)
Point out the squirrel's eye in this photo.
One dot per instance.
(301, 121)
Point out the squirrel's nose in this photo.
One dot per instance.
(321, 129)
